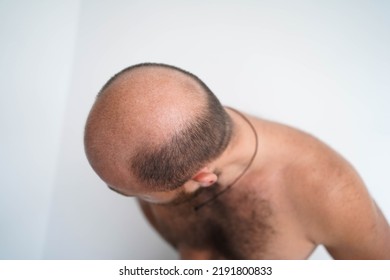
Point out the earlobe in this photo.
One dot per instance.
(205, 177)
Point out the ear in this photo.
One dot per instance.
(205, 177)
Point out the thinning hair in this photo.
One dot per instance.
(201, 140)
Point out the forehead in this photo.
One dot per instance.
(147, 194)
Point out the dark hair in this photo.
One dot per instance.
(171, 164)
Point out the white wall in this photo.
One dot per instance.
(322, 66)
(36, 56)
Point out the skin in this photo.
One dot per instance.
(297, 194)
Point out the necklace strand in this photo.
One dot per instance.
(199, 206)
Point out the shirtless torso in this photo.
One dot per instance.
(151, 125)
(305, 195)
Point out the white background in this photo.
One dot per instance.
(321, 66)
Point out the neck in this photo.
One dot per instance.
(238, 157)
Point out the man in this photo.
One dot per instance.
(220, 184)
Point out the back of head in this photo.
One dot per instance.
(159, 123)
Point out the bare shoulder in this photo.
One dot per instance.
(330, 198)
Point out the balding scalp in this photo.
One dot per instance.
(160, 121)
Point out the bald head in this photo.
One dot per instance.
(162, 98)
(155, 125)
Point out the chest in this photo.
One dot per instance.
(228, 228)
